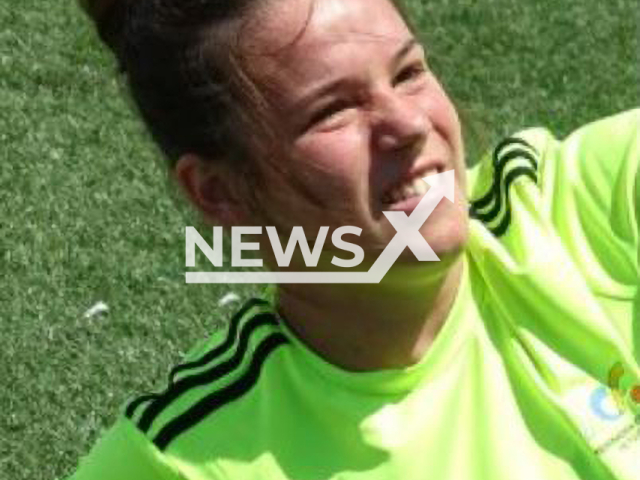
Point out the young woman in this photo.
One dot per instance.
(514, 356)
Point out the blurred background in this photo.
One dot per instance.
(93, 303)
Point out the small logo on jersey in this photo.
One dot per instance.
(603, 406)
(612, 404)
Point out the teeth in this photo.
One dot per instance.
(417, 187)
(420, 186)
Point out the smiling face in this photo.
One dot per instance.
(362, 117)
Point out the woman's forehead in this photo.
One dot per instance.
(298, 42)
(298, 28)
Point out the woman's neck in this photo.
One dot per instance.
(378, 326)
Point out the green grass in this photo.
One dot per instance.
(87, 216)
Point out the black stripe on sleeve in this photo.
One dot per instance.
(217, 351)
(509, 141)
(175, 390)
(494, 194)
(511, 177)
(234, 324)
(134, 404)
(219, 398)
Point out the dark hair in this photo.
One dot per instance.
(181, 66)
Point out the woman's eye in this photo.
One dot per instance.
(328, 112)
(410, 72)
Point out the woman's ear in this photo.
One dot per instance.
(210, 188)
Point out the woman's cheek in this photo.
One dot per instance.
(338, 156)
(445, 116)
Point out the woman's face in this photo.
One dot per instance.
(363, 119)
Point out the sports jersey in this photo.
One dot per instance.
(534, 375)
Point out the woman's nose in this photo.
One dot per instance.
(399, 123)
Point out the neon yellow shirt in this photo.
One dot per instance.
(535, 374)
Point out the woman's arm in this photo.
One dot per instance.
(124, 453)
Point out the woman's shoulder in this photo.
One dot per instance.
(124, 452)
(211, 375)
(589, 181)
(214, 366)
(571, 205)
(581, 192)
(589, 176)
(223, 339)
(594, 155)
(602, 146)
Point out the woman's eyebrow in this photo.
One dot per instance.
(336, 84)
(404, 51)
